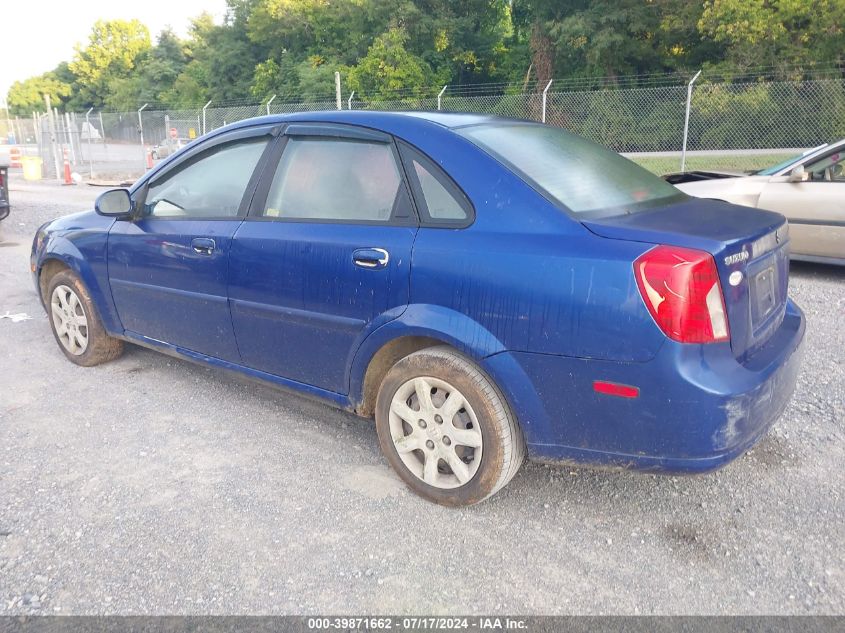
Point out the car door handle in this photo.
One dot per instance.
(203, 245)
(371, 257)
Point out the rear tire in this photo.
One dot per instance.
(76, 326)
(446, 429)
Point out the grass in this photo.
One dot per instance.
(719, 162)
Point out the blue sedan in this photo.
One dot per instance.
(485, 288)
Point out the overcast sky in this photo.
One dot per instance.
(35, 35)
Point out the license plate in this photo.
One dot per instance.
(764, 286)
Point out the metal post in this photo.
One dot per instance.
(36, 131)
(349, 103)
(10, 131)
(52, 127)
(440, 95)
(545, 92)
(141, 133)
(204, 108)
(90, 151)
(337, 89)
(69, 134)
(60, 127)
(686, 121)
(268, 104)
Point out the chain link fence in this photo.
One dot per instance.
(737, 126)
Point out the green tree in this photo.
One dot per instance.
(222, 61)
(28, 95)
(388, 66)
(155, 78)
(609, 38)
(783, 33)
(113, 50)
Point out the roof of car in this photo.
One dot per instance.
(445, 119)
(377, 118)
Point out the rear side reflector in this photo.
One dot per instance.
(681, 289)
(615, 389)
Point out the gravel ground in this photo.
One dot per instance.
(152, 485)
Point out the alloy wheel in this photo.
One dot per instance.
(435, 432)
(69, 320)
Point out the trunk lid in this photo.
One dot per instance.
(751, 242)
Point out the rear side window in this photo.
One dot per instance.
(335, 179)
(440, 200)
(572, 171)
(211, 185)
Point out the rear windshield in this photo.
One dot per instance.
(578, 174)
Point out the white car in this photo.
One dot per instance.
(169, 146)
(808, 189)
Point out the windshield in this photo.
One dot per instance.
(771, 171)
(572, 171)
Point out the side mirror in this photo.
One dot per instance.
(113, 203)
(798, 174)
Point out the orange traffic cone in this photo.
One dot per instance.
(149, 158)
(68, 179)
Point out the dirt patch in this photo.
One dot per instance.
(687, 537)
(375, 482)
(773, 452)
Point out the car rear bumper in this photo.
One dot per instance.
(698, 408)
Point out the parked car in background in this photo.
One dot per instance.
(168, 147)
(483, 287)
(809, 189)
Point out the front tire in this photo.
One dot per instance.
(445, 428)
(75, 324)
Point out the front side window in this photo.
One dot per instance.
(572, 171)
(331, 179)
(830, 168)
(211, 185)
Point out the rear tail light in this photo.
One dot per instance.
(681, 289)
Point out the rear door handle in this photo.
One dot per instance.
(371, 257)
(203, 245)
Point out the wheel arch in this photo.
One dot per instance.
(419, 327)
(63, 254)
(49, 268)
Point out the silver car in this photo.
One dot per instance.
(808, 189)
(168, 146)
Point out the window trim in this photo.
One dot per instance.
(329, 131)
(198, 153)
(337, 130)
(409, 154)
